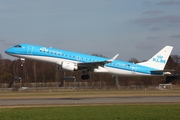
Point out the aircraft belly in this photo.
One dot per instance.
(122, 72)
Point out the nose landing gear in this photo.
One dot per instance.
(85, 75)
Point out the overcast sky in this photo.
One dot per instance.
(131, 28)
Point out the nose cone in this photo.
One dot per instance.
(16, 51)
(12, 51)
(9, 51)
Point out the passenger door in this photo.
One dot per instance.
(133, 68)
(30, 49)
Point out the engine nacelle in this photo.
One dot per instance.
(67, 66)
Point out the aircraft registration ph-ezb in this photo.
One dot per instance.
(73, 61)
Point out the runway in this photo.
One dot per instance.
(89, 101)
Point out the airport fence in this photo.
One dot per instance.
(80, 85)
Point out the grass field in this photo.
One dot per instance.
(90, 112)
(98, 112)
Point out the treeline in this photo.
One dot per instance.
(35, 71)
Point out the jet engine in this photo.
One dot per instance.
(67, 66)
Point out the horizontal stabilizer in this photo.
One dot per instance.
(162, 71)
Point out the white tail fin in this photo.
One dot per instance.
(159, 60)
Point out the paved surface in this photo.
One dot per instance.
(79, 101)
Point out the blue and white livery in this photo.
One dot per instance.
(73, 61)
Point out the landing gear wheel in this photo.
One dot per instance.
(85, 77)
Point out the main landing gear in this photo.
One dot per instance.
(85, 75)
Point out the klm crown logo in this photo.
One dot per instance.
(44, 49)
(159, 59)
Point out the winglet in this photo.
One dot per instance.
(112, 59)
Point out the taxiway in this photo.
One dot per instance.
(88, 101)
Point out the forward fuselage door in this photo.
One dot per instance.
(134, 68)
(30, 49)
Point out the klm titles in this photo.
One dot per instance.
(49, 51)
(44, 49)
(159, 59)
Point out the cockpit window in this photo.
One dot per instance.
(18, 46)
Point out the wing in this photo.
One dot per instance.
(93, 65)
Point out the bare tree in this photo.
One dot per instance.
(1, 57)
(176, 59)
(99, 55)
(133, 60)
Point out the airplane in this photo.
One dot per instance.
(73, 61)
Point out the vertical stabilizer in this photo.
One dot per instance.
(159, 60)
